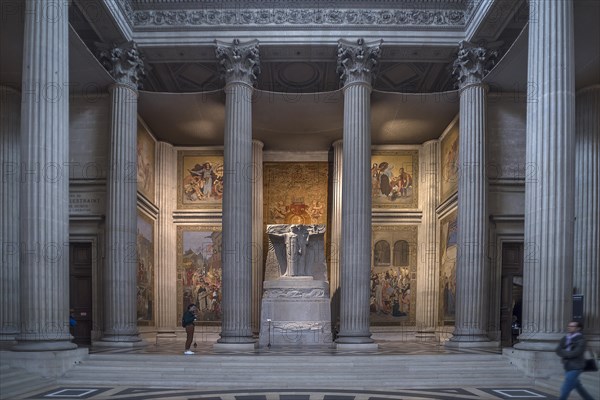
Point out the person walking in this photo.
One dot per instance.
(187, 321)
(571, 349)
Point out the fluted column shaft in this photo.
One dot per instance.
(355, 63)
(471, 263)
(336, 231)
(586, 266)
(10, 157)
(356, 215)
(44, 196)
(237, 215)
(547, 279)
(239, 65)
(427, 284)
(121, 219)
(257, 231)
(166, 267)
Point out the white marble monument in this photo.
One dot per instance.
(295, 303)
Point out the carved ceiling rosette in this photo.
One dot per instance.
(472, 63)
(124, 62)
(357, 61)
(238, 62)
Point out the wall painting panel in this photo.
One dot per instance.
(145, 271)
(295, 193)
(393, 275)
(200, 179)
(199, 271)
(448, 250)
(394, 178)
(449, 167)
(145, 163)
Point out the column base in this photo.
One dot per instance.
(235, 346)
(49, 364)
(106, 342)
(466, 345)
(538, 341)
(43, 345)
(535, 364)
(356, 346)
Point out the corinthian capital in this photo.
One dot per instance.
(123, 62)
(239, 62)
(472, 63)
(356, 61)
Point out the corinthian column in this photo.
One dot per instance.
(120, 326)
(586, 266)
(355, 65)
(240, 64)
(470, 327)
(167, 316)
(10, 156)
(257, 231)
(336, 232)
(427, 284)
(547, 270)
(44, 195)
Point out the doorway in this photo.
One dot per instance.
(80, 291)
(511, 299)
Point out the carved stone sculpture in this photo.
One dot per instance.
(293, 247)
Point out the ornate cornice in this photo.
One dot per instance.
(472, 63)
(123, 62)
(295, 17)
(356, 61)
(239, 62)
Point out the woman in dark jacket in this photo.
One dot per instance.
(571, 349)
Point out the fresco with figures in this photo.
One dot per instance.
(394, 178)
(449, 163)
(199, 271)
(295, 193)
(145, 163)
(448, 250)
(145, 270)
(393, 275)
(200, 179)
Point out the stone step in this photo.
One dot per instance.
(15, 382)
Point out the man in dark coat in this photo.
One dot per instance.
(571, 349)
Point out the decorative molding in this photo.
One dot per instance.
(124, 62)
(295, 17)
(472, 63)
(238, 62)
(294, 293)
(356, 62)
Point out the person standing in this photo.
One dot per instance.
(571, 349)
(187, 321)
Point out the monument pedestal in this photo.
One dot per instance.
(295, 312)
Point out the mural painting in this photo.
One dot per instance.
(295, 193)
(199, 270)
(448, 250)
(449, 167)
(145, 271)
(200, 179)
(394, 179)
(393, 275)
(145, 163)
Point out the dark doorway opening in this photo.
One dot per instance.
(511, 299)
(80, 292)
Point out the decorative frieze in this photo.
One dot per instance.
(209, 18)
